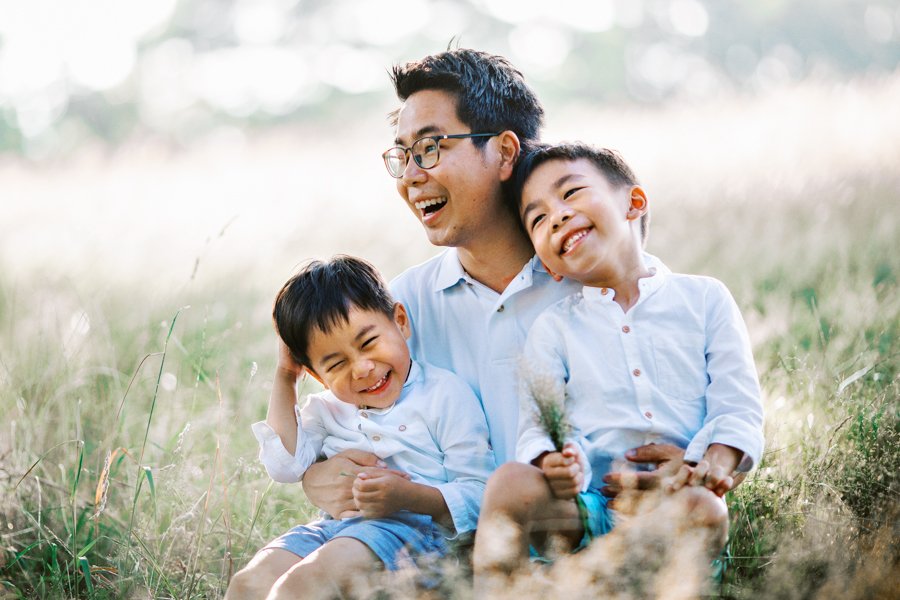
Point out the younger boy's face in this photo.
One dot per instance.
(364, 361)
(580, 225)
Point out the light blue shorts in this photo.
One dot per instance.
(596, 520)
(399, 540)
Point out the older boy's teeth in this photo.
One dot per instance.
(423, 204)
(571, 240)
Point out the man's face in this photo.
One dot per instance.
(364, 361)
(580, 225)
(458, 198)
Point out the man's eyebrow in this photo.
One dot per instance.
(420, 133)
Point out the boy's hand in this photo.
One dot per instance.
(329, 484)
(713, 472)
(668, 459)
(564, 472)
(379, 493)
(286, 362)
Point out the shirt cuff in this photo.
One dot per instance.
(279, 463)
(462, 507)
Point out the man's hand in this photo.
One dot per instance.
(564, 472)
(667, 458)
(329, 484)
(713, 472)
(380, 493)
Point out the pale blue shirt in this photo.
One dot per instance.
(435, 432)
(466, 327)
(676, 368)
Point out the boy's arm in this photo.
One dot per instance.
(734, 414)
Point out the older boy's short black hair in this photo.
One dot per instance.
(491, 95)
(321, 296)
(609, 162)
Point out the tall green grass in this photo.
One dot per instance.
(127, 466)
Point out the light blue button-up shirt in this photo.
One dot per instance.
(465, 327)
(676, 368)
(435, 432)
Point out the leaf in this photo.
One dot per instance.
(86, 571)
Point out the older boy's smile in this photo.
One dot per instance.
(571, 240)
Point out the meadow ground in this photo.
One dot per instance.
(127, 468)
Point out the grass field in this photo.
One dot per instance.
(127, 468)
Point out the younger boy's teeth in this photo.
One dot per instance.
(570, 241)
(378, 383)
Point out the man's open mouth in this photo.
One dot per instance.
(430, 206)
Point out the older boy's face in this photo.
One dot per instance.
(364, 361)
(581, 226)
(460, 196)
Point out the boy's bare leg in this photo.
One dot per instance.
(341, 567)
(254, 581)
(518, 508)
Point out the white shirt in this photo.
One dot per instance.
(463, 326)
(676, 368)
(435, 432)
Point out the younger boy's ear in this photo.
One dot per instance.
(509, 153)
(314, 376)
(401, 318)
(638, 205)
(555, 276)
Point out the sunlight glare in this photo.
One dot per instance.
(688, 17)
(539, 47)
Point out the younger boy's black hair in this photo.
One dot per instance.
(321, 296)
(491, 94)
(609, 162)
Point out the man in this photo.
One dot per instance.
(464, 118)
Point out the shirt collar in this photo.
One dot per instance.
(647, 285)
(450, 271)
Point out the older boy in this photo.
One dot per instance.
(340, 323)
(644, 356)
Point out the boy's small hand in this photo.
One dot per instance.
(379, 493)
(286, 362)
(564, 472)
(714, 471)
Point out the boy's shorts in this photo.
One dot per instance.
(596, 519)
(398, 540)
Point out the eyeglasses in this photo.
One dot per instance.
(425, 151)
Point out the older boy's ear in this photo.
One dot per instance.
(638, 205)
(509, 146)
(401, 318)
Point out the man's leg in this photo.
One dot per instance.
(342, 567)
(255, 581)
(519, 508)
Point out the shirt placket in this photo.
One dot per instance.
(630, 338)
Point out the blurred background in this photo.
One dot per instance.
(193, 138)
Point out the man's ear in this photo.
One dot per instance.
(509, 146)
(555, 276)
(401, 318)
(637, 203)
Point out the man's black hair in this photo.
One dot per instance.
(609, 162)
(321, 296)
(491, 95)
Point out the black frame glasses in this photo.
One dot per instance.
(426, 151)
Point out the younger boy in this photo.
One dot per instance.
(641, 355)
(340, 324)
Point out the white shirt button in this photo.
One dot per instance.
(376, 438)
(636, 372)
(501, 309)
(625, 328)
(402, 428)
(364, 414)
(648, 414)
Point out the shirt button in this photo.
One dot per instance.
(376, 438)
(603, 291)
(636, 372)
(402, 428)
(648, 414)
(501, 308)
(625, 328)
(364, 415)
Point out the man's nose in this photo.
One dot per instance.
(412, 173)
